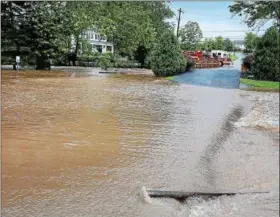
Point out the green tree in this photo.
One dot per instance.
(209, 44)
(166, 58)
(34, 29)
(266, 63)
(47, 21)
(82, 16)
(13, 30)
(219, 43)
(133, 27)
(190, 34)
(228, 45)
(250, 42)
(257, 13)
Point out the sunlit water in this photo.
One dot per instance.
(86, 146)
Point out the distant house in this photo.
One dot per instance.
(239, 44)
(99, 43)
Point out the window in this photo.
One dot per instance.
(97, 37)
(109, 48)
(99, 48)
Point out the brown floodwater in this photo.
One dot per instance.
(80, 145)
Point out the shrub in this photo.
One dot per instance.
(166, 58)
(105, 61)
(265, 64)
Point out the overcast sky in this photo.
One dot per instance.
(213, 17)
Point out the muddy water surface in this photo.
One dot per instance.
(85, 146)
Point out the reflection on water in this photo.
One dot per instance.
(86, 146)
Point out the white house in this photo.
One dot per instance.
(99, 43)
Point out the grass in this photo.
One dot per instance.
(261, 85)
(233, 57)
(170, 78)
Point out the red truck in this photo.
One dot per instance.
(202, 60)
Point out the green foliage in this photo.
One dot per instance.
(219, 43)
(228, 45)
(208, 44)
(43, 30)
(141, 54)
(86, 47)
(233, 57)
(190, 35)
(166, 58)
(81, 16)
(34, 30)
(250, 42)
(105, 61)
(131, 25)
(257, 13)
(266, 63)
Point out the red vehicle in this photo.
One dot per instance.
(202, 60)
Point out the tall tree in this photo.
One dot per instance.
(82, 16)
(250, 42)
(209, 44)
(228, 45)
(166, 57)
(133, 24)
(219, 43)
(47, 22)
(266, 62)
(191, 34)
(13, 31)
(257, 13)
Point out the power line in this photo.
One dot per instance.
(210, 15)
(234, 31)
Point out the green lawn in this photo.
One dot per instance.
(233, 57)
(170, 78)
(261, 85)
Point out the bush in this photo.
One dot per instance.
(265, 64)
(105, 61)
(166, 58)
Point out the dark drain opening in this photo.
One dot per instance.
(181, 196)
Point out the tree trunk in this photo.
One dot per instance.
(76, 49)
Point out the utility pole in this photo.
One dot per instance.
(180, 11)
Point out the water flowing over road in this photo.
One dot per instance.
(85, 146)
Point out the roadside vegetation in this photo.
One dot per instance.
(262, 65)
(43, 32)
(166, 58)
(233, 57)
(261, 85)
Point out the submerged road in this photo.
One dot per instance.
(224, 77)
(86, 146)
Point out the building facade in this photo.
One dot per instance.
(99, 43)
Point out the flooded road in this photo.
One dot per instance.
(225, 77)
(85, 146)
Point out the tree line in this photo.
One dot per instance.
(191, 36)
(40, 31)
(264, 62)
